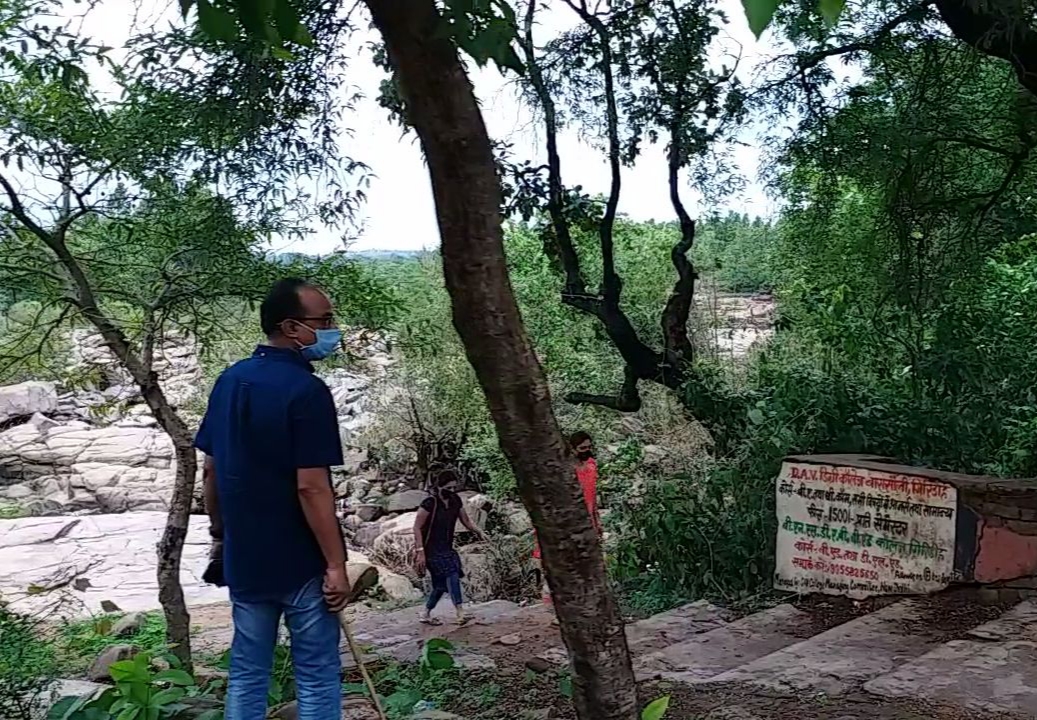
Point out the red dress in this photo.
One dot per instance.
(587, 475)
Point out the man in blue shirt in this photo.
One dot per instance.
(270, 435)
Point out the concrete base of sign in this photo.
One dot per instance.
(710, 654)
(993, 670)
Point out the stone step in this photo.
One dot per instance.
(675, 626)
(845, 657)
(994, 669)
(656, 632)
(712, 653)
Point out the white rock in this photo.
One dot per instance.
(518, 522)
(478, 507)
(397, 586)
(405, 501)
(27, 398)
(16, 492)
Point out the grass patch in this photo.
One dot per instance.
(10, 511)
(78, 643)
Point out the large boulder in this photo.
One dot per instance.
(478, 507)
(362, 577)
(365, 535)
(98, 671)
(406, 501)
(398, 587)
(517, 520)
(369, 512)
(27, 398)
(495, 569)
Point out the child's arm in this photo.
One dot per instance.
(419, 539)
(467, 522)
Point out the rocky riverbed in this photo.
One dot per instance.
(92, 473)
(86, 476)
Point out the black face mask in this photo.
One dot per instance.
(585, 455)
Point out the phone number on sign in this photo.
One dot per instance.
(835, 568)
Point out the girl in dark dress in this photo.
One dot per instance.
(434, 543)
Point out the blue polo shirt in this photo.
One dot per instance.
(268, 416)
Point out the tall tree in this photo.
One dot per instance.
(422, 43)
(108, 212)
(641, 72)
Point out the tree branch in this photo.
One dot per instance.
(628, 399)
(989, 29)
(574, 283)
(611, 284)
(678, 305)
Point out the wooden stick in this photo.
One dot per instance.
(358, 656)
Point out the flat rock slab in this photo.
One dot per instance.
(675, 626)
(994, 669)
(712, 653)
(112, 557)
(972, 674)
(1019, 623)
(844, 657)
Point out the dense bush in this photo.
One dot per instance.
(27, 667)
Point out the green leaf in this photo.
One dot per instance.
(63, 708)
(216, 22)
(759, 14)
(439, 644)
(756, 416)
(403, 701)
(831, 10)
(440, 660)
(167, 696)
(656, 709)
(130, 713)
(174, 677)
(565, 686)
(354, 688)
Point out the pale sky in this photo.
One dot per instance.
(399, 212)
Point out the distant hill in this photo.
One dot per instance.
(387, 254)
(289, 257)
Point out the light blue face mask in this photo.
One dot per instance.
(328, 341)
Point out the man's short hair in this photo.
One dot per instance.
(280, 304)
(578, 437)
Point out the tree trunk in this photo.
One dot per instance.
(442, 108)
(171, 546)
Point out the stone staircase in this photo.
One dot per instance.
(951, 649)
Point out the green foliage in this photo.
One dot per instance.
(483, 30)
(738, 254)
(760, 13)
(656, 709)
(139, 693)
(27, 666)
(78, 643)
(435, 679)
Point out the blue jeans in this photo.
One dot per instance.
(439, 589)
(314, 633)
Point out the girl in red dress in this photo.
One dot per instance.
(587, 475)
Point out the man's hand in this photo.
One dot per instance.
(419, 562)
(336, 587)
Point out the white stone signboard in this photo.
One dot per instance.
(859, 532)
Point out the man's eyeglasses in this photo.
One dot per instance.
(323, 323)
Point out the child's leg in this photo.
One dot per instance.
(454, 583)
(438, 591)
